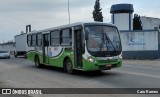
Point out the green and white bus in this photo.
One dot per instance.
(78, 46)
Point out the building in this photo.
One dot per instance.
(9, 46)
(150, 23)
(122, 16)
(136, 44)
(123, 13)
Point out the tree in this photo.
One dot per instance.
(137, 24)
(97, 12)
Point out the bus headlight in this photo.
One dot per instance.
(90, 59)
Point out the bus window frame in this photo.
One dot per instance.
(37, 40)
(29, 42)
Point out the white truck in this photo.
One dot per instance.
(20, 44)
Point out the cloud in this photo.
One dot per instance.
(41, 14)
(30, 5)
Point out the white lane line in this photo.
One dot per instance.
(140, 74)
(140, 66)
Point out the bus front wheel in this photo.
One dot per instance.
(68, 66)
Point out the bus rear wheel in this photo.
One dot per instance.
(37, 63)
(68, 66)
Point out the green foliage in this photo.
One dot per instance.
(137, 24)
(97, 12)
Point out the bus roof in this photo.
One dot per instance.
(71, 25)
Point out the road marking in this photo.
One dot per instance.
(140, 74)
(137, 66)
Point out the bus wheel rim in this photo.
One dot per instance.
(69, 67)
(36, 63)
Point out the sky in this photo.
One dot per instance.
(42, 14)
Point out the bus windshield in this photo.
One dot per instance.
(103, 40)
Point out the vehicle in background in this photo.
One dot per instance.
(4, 54)
(20, 44)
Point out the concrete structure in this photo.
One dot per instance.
(9, 46)
(143, 44)
(122, 16)
(150, 23)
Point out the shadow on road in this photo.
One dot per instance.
(88, 74)
(81, 73)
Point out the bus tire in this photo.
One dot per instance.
(37, 63)
(68, 66)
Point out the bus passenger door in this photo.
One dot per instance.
(78, 47)
(46, 48)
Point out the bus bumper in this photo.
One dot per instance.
(101, 65)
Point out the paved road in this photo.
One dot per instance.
(20, 73)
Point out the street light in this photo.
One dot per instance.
(68, 12)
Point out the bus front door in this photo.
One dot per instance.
(46, 48)
(78, 48)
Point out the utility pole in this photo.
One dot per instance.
(68, 12)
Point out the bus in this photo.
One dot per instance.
(90, 46)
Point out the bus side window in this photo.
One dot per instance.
(66, 37)
(34, 38)
(55, 38)
(39, 39)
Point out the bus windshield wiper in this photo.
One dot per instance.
(110, 42)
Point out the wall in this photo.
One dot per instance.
(140, 44)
